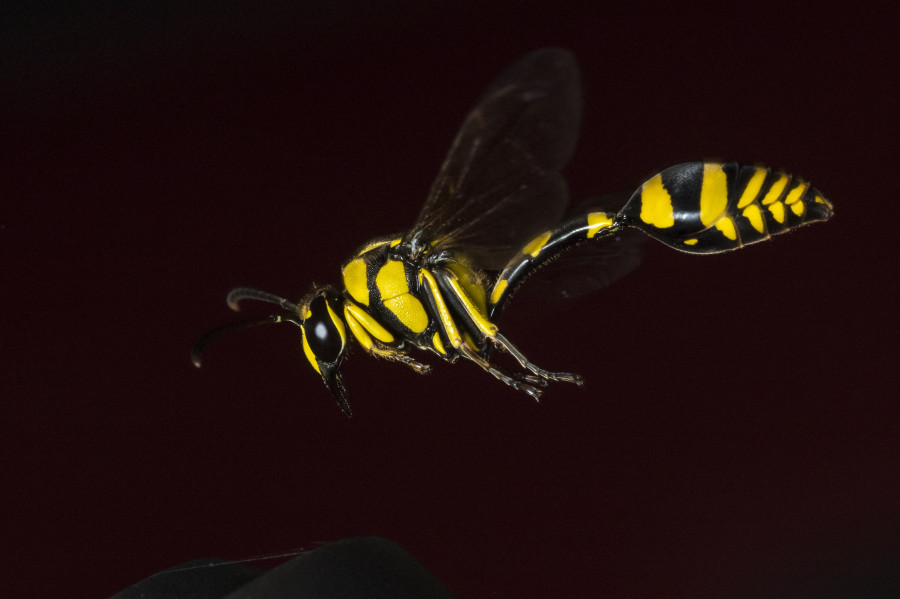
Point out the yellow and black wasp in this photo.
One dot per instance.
(494, 216)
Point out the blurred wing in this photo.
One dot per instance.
(591, 265)
(500, 183)
(588, 267)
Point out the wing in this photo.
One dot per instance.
(500, 184)
(587, 268)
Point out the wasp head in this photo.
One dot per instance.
(319, 316)
(325, 340)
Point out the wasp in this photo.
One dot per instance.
(494, 216)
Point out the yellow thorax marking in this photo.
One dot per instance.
(355, 281)
(409, 310)
(391, 280)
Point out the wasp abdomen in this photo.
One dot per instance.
(710, 207)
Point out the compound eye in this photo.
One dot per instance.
(324, 330)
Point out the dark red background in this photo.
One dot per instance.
(739, 433)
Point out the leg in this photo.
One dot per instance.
(503, 344)
(461, 307)
(517, 383)
(393, 354)
(377, 348)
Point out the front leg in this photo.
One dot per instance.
(361, 324)
(394, 354)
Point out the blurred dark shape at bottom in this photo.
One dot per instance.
(368, 567)
(860, 570)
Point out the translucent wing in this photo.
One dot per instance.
(588, 267)
(500, 183)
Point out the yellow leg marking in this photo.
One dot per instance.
(357, 330)
(443, 313)
(499, 288)
(436, 342)
(777, 211)
(535, 246)
(369, 346)
(471, 283)
(713, 193)
(752, 188)
(487, 328)
(776, 190)
(597, 221)
(363, 318)
(727, 228)
(754, 215)
(656, 204)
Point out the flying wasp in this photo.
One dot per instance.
(494, 216)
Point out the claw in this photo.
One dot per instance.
(534, 392)
(531, 379)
